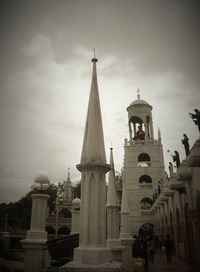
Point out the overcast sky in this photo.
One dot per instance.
(46, 50)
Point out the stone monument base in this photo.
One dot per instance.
(116, 248)
(36, 255)
(127, 254)
(78, 267)
(88, 259)
(92, 255)
(117, 253)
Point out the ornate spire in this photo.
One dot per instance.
(68, 175)
(93, 143)
(112, 199)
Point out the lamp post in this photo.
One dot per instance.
(36, 238)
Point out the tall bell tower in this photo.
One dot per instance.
(143, 164)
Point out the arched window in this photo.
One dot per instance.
(66, 213)
(64, 231)
(50, 230)
(144, 179)
(144, 160)
(146, 203)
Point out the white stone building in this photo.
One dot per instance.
(176, 210)
(143, 164)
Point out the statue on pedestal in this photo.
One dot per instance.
(196, 117)
(185, 142)
(176, 158)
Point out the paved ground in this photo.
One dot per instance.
(177, 265)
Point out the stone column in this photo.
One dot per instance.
(36, 252)
(125, 235)
(151, 129)
(75, 228)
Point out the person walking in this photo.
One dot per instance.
(151, 249)
(168, 244)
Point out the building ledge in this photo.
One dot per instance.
(194, 156)
(146, 212)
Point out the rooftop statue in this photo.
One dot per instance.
(171, 170)
(196, 117)
(176, 158)
(185, 142)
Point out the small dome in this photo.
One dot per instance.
(76, 201)
(42, 179)
(139, 102)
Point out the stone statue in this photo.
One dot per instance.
(176, 158)
(171, 170)
(140, 135)
(196, 117)
(185, 142)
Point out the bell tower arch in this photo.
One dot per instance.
(140, 120)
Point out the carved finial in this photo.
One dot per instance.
(138, 93)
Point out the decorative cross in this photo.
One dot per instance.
(138, 92)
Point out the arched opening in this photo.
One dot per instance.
(144, 160)
(145, 179)
(146, 230)
(136, 128)
(50, 230)
(146, 203)
(66, 213)
(64, 231)
(189, 247)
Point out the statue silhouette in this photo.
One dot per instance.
(176, 158)
(196, 118)
(171, 170)
(185, 142)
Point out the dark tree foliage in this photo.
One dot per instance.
(19, 213)
(77, 190)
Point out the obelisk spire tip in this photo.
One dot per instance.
(94, 59)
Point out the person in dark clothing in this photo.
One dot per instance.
(168, 244)
(139, 249)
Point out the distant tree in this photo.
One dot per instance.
(19, 212)
(77, 190)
